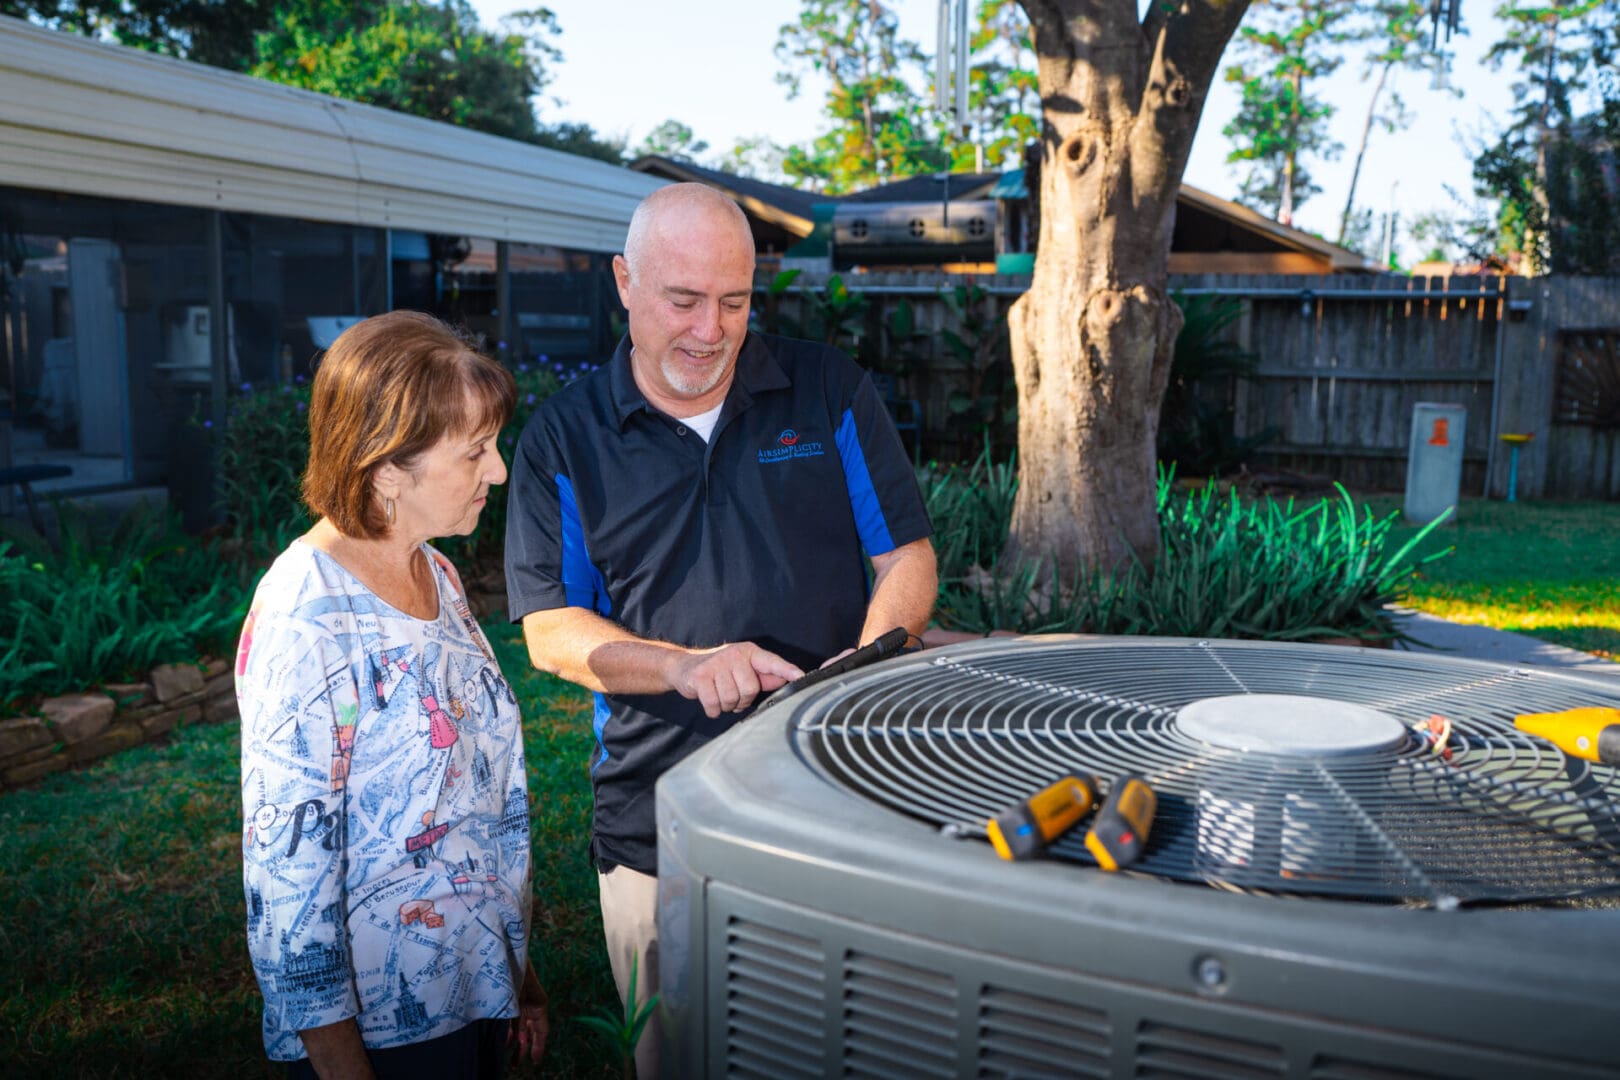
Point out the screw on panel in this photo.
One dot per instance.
(1210, 974)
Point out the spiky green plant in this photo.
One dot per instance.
(623, 1027)
(1227, 567)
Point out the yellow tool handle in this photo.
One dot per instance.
(1025, 830)
(1592, 733)
(1120, 830)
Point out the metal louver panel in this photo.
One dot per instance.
(774, 998)
(1332, 1068)
(1167, 1050)
(899, 1020)
(1023, 1036)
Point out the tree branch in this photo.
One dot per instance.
(1187, 43)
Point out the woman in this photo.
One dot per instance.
(386, 841)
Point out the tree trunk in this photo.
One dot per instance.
(1361, 152)
(1092, 338)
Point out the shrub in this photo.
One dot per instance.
(142, 593)
(263, 451)
(1226, 568)
(1266, 570)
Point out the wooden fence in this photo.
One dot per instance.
(1342, 361)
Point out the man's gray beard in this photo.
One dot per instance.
(677, 376)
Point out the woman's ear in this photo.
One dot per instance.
(388, 480)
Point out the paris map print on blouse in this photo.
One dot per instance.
(385, 835)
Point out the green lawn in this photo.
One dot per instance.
(1550, 570)
(122, 934)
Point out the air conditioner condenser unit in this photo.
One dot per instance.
(1341, 900)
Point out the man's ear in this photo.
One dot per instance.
(621, 278)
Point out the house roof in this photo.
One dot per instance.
(786, 207)
(93, 118)
(1285, 236)
(931, 187)
(791, 209)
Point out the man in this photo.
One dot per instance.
(686, 527)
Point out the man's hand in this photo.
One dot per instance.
(834, 659)
(729, 678)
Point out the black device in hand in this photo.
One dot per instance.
(885, 645)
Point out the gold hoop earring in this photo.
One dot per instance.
(388, 511)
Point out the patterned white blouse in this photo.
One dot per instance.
(385, 838)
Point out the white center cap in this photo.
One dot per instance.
(1290, 724)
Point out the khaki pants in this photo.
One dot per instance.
(630, 925)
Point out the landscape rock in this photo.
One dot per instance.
(220, 708)
(76, 717)
(165, 720)
(171, 681)
(120, 736)
(17, 775)
(128, 694)
(21, 734)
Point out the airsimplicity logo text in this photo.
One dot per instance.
(789, 445)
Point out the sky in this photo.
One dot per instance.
(710, 64)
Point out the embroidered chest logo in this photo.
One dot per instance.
(787, 446)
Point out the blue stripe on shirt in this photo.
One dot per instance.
(583, 587)
(863, 497)
(582, 581)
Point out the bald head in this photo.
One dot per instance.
(680, 209)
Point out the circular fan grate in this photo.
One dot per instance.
(1280, 768)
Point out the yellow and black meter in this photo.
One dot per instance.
(1024, 830)
(1120, 830)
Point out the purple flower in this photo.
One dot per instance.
(500, 344)
(208, 423)
(247, 388)
(300, 406)
(529, 400)
(298, 378)
(522, 368)
(544, 359)
(510, 440)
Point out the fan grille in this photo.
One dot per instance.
(958, 738)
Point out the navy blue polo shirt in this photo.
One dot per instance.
(756, 535)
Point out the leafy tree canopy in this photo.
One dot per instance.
(882, 126)
(427, 59)
(1553, 167)
(207, 31)
(1283, 49)
(673, 139)
(413, 57)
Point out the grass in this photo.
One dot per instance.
(122, 929)
(1550, 570)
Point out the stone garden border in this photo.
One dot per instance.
(76, 729)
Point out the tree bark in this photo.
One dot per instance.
(1361, 151)
(1093, 336)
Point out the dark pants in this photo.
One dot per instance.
(476, 1052)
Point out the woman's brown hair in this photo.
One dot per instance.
(389, 388)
